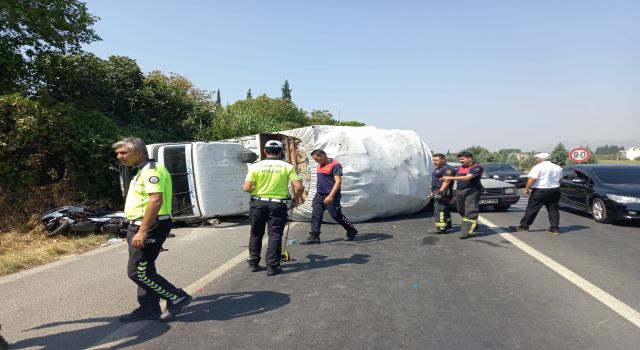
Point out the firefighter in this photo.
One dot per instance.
(268, 183)
(442, 193)
(468, 190)
(148, 209)
(329, 182)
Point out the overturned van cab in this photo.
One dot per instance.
(207, 177)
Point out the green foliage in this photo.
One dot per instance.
(481, 154)
(29, 29)
(559, 155)
(45, 144)
(286, 91)
(529, 162)
(258, 115)
(608, 149)
(321, 117)
(513, 160)
(108, 86)
(350, 123)
(504, 154)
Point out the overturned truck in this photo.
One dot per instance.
(386, 172)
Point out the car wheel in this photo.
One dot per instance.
(599, 211)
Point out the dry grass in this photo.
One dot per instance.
(19, 251)
(22, 243)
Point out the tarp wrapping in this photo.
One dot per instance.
(386, 172)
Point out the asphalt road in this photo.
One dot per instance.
(394, 287)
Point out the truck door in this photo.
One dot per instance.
(177, 160)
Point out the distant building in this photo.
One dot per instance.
(632, 153)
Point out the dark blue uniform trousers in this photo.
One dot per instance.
(334, 209)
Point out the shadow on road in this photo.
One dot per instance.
(88, 337)
(211, 307)
(227, 306)
(321, 261)
(363, 238)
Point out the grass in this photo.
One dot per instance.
(22, 243)
(19, 251)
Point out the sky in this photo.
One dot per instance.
(500, 74)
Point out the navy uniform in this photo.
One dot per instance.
(441, 212)
(468, 197)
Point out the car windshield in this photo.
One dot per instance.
(499, 167)
(619, 176)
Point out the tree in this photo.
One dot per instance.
(218, 99)
(559, 155)
(258, 115)
(30, 29)
(513, 160)
(91, 83)
(249, 95)
(286, 91)
(529, 162)
(321, 117)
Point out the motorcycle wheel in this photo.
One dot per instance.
(61, 225)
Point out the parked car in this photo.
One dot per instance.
(505, 172)
(606, 191)
(497, 194)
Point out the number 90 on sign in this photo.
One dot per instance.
(579, 155)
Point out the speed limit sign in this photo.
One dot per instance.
(579, 155)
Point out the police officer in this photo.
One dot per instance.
(468, 192)
(268, 183)
(148, 209)
(442, 193)
(329, 182)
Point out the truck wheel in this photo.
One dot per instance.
(501, 207)
(599, 211)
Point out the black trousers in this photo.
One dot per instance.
(334, 208)
(549, 197)
(141, 267)
(262, 213)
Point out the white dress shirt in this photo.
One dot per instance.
(547, 175)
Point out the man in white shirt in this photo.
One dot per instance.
(543, 188)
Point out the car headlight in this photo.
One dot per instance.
(623, 199)
(524, 175)
(510, 190)
(495, 176)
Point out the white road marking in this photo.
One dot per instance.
(129, 330)
(607, 299)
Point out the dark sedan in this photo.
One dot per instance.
(505, 172)
(608, 192)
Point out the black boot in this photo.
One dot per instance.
(314, 238)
